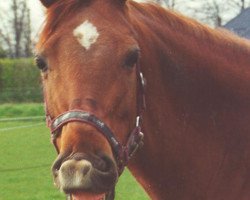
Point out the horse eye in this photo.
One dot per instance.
(132, 58)
(41, 63)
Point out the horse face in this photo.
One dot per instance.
(87, 54)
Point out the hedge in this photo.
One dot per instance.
(19, 81)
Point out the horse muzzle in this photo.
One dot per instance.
(84, 176)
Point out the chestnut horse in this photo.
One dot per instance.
(93, 55)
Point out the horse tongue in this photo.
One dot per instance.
(88, 196)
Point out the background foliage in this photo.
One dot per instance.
(19, 81)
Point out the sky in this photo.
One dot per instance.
(37, 14)
(36, 8)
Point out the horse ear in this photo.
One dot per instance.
(47, 3)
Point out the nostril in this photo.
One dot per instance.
(104, 164)
(100, 162)
(83, 167)
(101, 165)
(86, 169)
(58, 162)
(55, 173)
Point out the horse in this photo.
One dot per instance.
(118, 73)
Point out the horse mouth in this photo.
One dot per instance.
(85, 177)
(87, 196)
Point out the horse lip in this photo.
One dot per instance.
(110, 195)
(108, 172)
(84, 196)
(105, 197)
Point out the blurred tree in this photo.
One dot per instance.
(15, 29)
(212, 12)
(241, 3)
(168, 3)
(216, 12)
(3, 54)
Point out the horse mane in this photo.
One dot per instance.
(180, 45)
(183, 24)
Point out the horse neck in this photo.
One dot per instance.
(193, 74)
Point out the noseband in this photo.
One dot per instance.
(122, 153)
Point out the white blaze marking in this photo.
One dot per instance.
(86, 34)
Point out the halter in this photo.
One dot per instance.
(122, 153)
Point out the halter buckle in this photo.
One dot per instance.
(143, 81)
(138, 121)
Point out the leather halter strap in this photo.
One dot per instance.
(122, 153)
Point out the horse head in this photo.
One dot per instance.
(88, 56)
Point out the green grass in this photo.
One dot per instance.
(21, 110)
(26, 156)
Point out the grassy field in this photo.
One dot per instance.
(26, 156)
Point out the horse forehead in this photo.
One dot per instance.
(86, 34)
